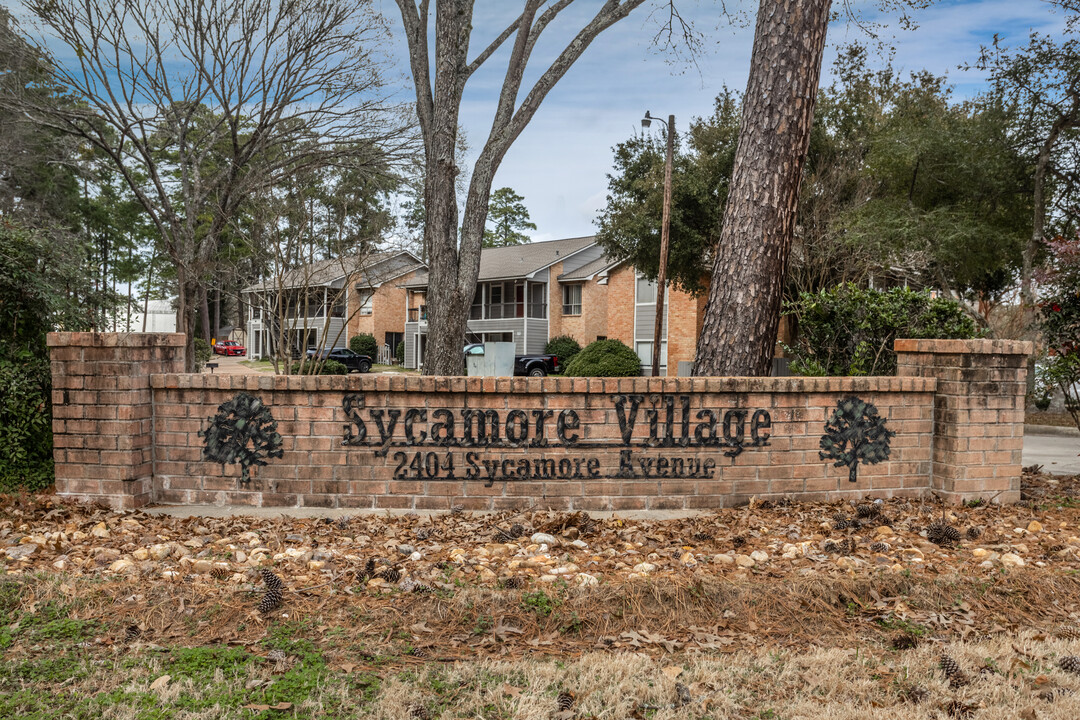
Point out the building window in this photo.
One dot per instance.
(537, 300)
(644, 353)
(646, 291)
(364, 297)
(571, 299)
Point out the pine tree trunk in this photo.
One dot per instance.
(743, 311)
(853, 472)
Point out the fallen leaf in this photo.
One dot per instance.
(161, 682)
(347, 667)
(421, 627)
(1028, 714)
(672, 671)
(508, 689)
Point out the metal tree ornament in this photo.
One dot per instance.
(243, 431)
(855, 433)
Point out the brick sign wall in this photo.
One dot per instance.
(407, 441)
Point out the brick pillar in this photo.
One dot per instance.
(978, 413)
(103, 412)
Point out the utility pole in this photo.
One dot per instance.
(665, 239)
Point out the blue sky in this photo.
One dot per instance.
(560, 163)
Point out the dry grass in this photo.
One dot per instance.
(818, 683)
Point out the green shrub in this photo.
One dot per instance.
(364, 344)
(311, 367)
(25, 422)
(605, 358)
(202, 353)
(849, 330)
(399, 352)
(563, 347)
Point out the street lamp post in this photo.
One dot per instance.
(665, 238)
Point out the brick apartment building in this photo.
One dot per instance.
(528, 294)
(323, 304)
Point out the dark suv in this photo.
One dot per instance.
(352, 361)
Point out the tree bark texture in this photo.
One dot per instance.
(743, 310)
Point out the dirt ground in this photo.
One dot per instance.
(765, 611)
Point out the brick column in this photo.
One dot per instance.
(103, 412)
(978, 413)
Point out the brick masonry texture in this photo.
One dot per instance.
(128, 429)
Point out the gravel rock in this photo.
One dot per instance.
(1012, 560)
(20, 552)
(542, 539)
(744, 561)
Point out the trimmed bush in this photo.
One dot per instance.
(563, 347)
(330, 367)
(364, 344)
(605, 358)
(848, 330)
(399, 353)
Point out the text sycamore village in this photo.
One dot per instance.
(667, 422)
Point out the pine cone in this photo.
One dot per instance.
(941, 533)
(738, 541)
(879, 547)
(1052, 694)
(565, 701)
(952, 670)
(868, 510)
(132, 633)
(830, 546)
(366, 572)
(419, 712)
(682, 695)
(842, 524)
(276, 655)
(847, 546)
(271, 600)
(973, 532)
(390, 575)
(424, 533)
(513, 583)
(1068, 632)
(418, 652)
(457, 509)
(701, 537)
(1070, 664)
(220, 573)
(343, 522)
(958, 709)
(273, 582)
(422, 588)
(904, 641)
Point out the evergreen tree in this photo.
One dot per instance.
(507, 217)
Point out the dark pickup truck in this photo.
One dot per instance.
(525, 365)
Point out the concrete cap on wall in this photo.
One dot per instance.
(115, 339)
(977, 346)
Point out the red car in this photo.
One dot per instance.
(229, 347)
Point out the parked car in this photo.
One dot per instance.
(345, 356)
(229, 347)
(530, 365)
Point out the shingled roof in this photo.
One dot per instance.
(586, 271)
(519, 261)
(367, 271)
